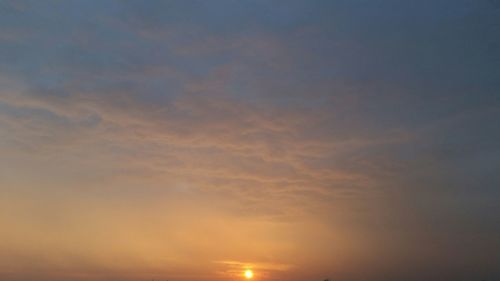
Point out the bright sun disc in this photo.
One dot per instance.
(248, 274)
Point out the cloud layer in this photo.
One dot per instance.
(188, 140)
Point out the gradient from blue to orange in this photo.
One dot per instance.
(193, 140)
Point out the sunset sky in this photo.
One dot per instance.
(356, 140)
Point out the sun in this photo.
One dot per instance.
(248, 274)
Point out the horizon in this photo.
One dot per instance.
(227, 140)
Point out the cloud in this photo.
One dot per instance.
(316, 135)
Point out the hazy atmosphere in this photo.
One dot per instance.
(218, 140)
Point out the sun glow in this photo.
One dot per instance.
(248, 274)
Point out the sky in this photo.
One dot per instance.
(187, 140)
